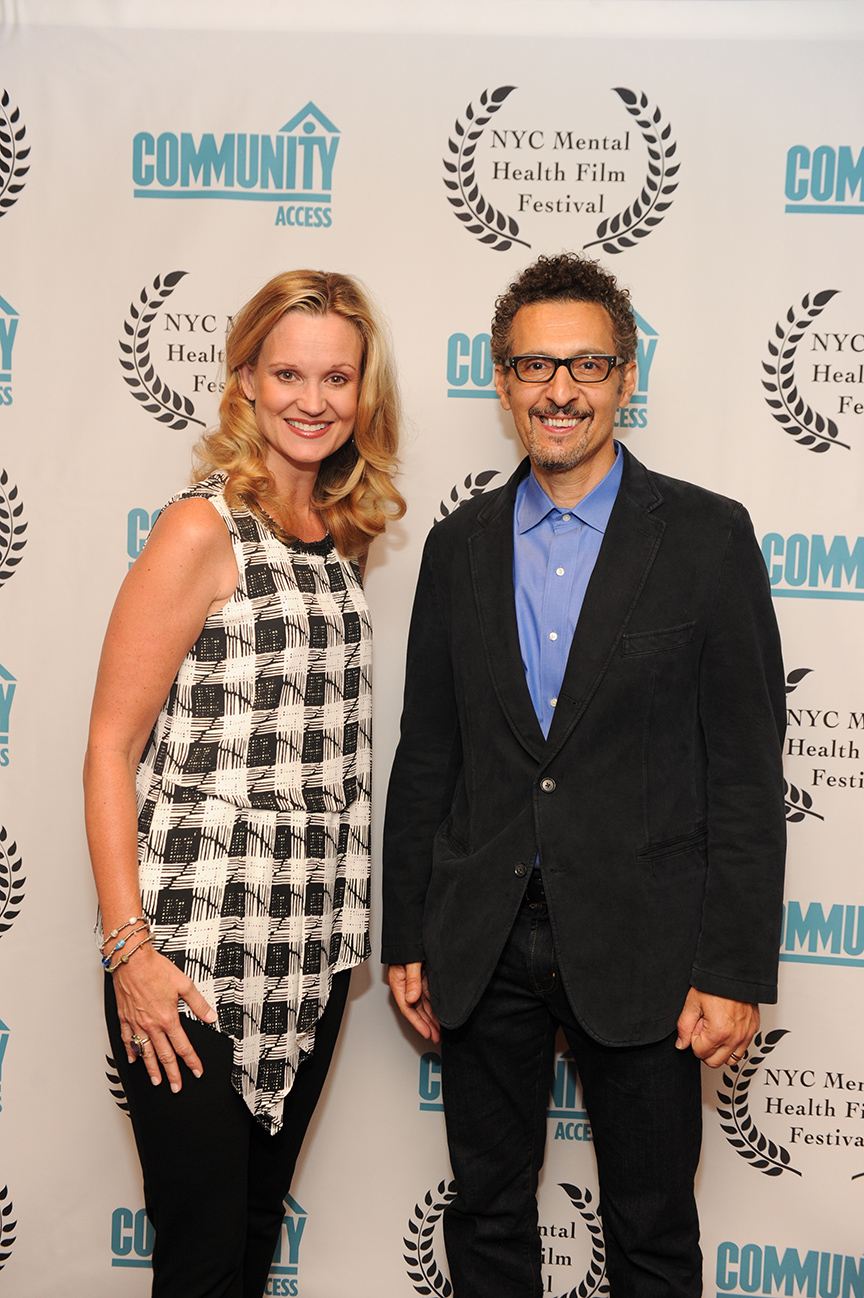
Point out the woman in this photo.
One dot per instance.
(234, 687)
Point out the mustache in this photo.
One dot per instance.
(570, 411)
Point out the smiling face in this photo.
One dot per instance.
(305, 385)
(566, 427)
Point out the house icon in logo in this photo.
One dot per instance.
(312, 141)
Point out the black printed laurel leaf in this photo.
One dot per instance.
(115, 1086)
(595, 1278)
(640, 217)
(760, 1152)
(798, 803)
(474, 486)
(423, 1270)
(814, 431)
(165, 404)
(12, 528)
(489, 223)
(13, 155)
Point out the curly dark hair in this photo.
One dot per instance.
(566, 277)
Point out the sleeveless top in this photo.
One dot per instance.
(254, 801)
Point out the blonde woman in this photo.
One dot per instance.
(234, 690)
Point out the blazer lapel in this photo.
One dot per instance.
(491, 559)
(629, 547)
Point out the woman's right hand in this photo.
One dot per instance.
(147, 990)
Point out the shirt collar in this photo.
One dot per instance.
(533, 505)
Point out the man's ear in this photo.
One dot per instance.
(501, 386)
(629, 376)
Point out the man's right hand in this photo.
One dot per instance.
(411, 993)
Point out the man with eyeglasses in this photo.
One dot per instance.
(585, 824)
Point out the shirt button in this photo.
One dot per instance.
(565, 518)
(521, 870)
(560, 572)
(553, 635)
(547, 785)
(553, 703)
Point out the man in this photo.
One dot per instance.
(585, 822)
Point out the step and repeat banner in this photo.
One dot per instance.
(152, 177)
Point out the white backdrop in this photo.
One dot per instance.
(228, 141)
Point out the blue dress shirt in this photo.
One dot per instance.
(554, 552)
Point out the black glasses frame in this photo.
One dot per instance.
(567, 361)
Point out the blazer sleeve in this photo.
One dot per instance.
(742, 712)
(425, 771)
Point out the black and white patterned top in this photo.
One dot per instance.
(254, 801)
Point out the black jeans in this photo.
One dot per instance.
(645, 1108)
(214, 1179)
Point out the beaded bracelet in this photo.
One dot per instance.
(106, 959)
(124, 959)
(116, 931)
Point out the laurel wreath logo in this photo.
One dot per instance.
(116, 1086)
(7, 1239)
(473, 486)
(427, 1277)
(489, 225)
(12, 528)
(12, 155)
(640, 218)
(423, 1270)
(798, 804)
(595, 1281)
(165, 405)
(740, 1130)
(11, 885)
(788, 407)
(795, 677)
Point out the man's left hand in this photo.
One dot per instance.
(718, 1030)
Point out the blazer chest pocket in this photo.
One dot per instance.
(652, 642)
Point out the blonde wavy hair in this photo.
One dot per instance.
(354, 493)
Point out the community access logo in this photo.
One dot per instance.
(573, 1251)
(471, 372)
(13, 154)
(4, 1042)
(292, 168)
(826, 180)
(566, 1109)
(556, 180)
(815, 566)
(826, 934)
(138, 524)
(8, 685)
(8, 330)
(815, 377)
(132, 1239)
(760, 1269)
(186, 345)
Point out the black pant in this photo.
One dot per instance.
(644, 1103)
(214, 1179)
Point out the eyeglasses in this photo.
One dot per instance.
(582, 369)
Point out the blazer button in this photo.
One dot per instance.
(521, 870)
(547, 785)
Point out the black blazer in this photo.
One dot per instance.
(655, 803)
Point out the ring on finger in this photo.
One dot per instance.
(138, 1044)
(732, 1055)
